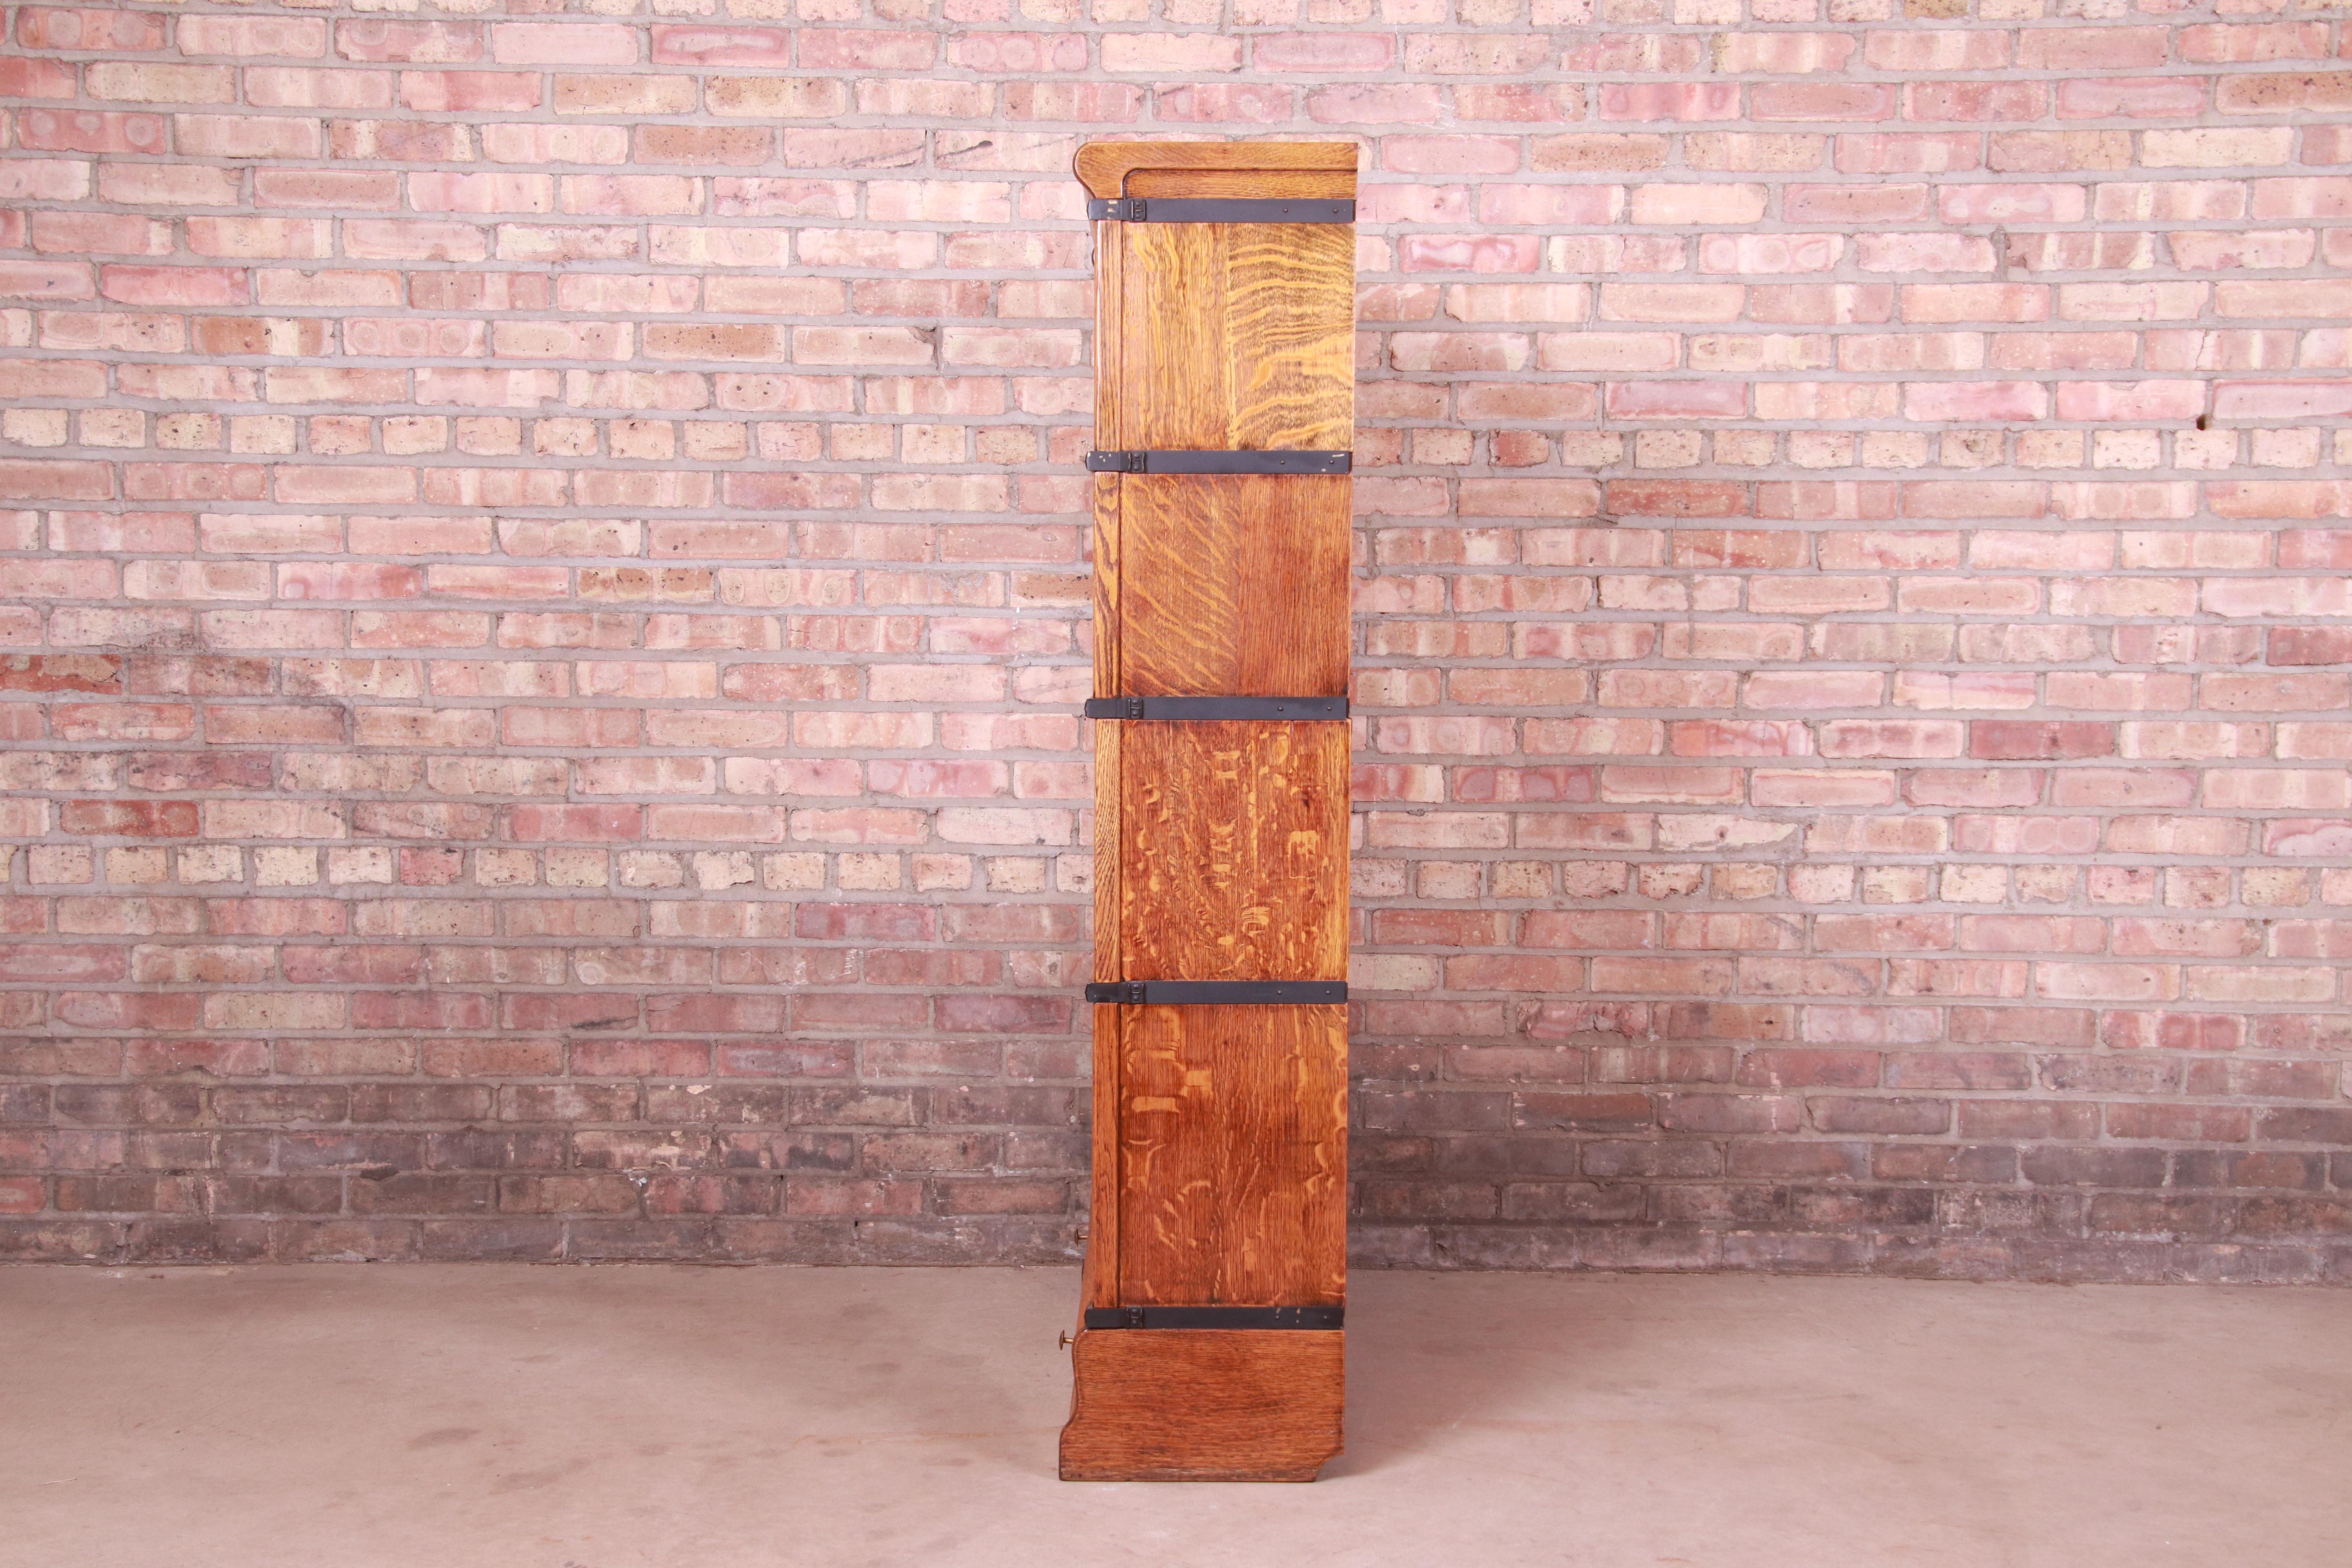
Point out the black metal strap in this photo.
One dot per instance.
(1286, 461)
(1217, 993)
(1215, 1317)
(1210, 709)
(1198, 209)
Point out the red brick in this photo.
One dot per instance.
(1634, 765)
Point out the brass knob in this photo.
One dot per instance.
(1066, 1339)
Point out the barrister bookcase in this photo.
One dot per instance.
(1210, 1344)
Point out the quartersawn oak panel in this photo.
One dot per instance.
(1237, 336)
(1233, 861)
(1203, 1405)
(1232, 1156)
(1232, 585)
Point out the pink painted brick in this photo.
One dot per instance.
(383, 39)
(1170, 52)
(1481, 155)
(1020, 54)
(2137, 400)
(564, 44)
(1323, 52)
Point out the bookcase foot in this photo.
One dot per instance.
(1203, 1405)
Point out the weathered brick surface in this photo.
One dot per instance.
(547, 590)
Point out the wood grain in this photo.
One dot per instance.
(1110, 267)
(1320, 185)
(1233, 862)
(1220, 1133)
(1099, 1284)
(1232, 1158)
(1204, 1404)
(1099, 1281)
(1232, 585)
(1110, 778)
(1105, 167)
(1237, 337)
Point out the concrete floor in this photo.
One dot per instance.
(538, 1418)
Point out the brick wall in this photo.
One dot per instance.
(548, 596)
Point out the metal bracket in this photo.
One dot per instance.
(1215, 1317)
(1217, 993)
(1210, 710)
(1284, 461)
(1193, 209)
